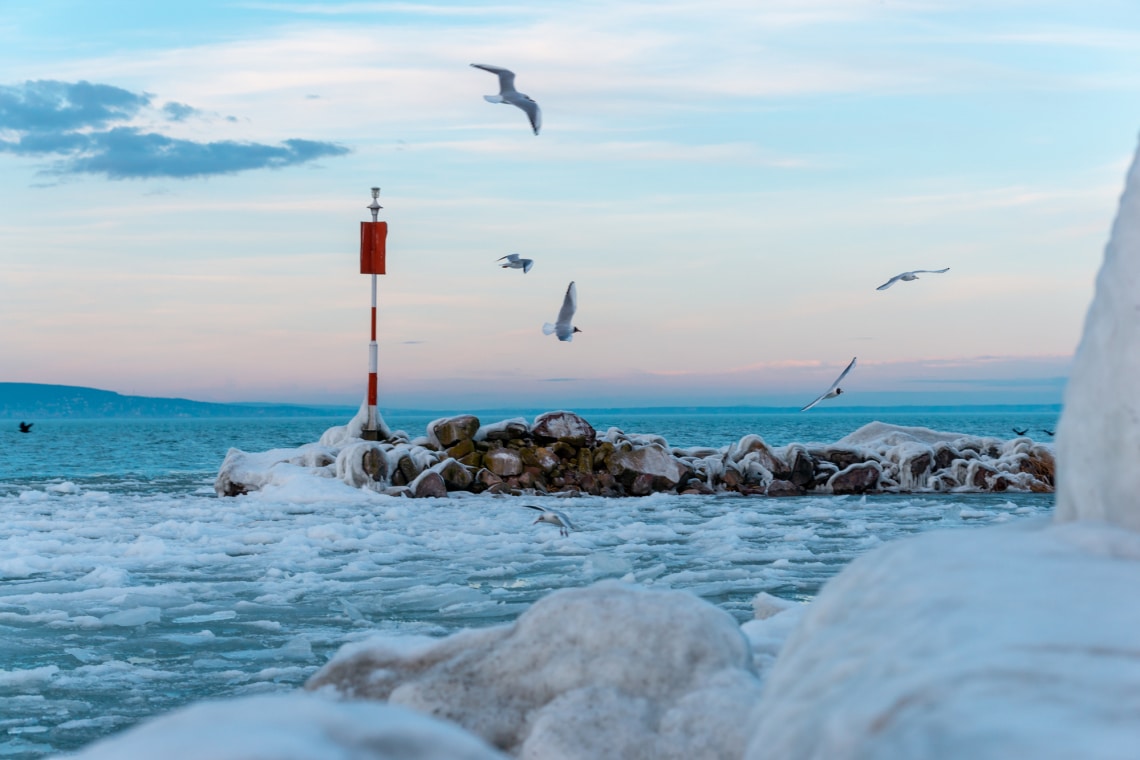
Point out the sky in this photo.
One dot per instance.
(727, 182)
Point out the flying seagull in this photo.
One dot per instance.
(26, 427)
(834, 390)
(554, 517)
(508, 94)
(1021, 432)
(1047, 432)
(514, 262)
(908, 276)
(562, 328)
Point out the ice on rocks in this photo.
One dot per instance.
(656, 673)
(296, 726)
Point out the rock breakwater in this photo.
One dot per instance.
(560, 452)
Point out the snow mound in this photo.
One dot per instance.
(610, 670)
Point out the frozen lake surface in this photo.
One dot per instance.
(127, 588)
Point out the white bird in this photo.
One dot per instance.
(834, 390)
(562, 328)
(508, 94)
(554, 517)
(908, 276)
(514, 262)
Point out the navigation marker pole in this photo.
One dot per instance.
(373, 240)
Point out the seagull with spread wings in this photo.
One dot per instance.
(563, 327)
(834, 390)
(514, 262)
(908, 276)
(508, 94)
(554, 517)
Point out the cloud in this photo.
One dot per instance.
(50, 106)
(178, 111)
(88, 129)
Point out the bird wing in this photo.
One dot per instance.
(891, 281)
(930, 271)
(842, 375)
(532, 110)
(527, 264)
(561, 516)
(512, 257)
(506, 76)
(809, 406)
(531, 506)
(569, 306)
(834, 385)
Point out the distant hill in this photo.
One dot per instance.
(35, 401)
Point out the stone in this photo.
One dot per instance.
(754, 445)
(486, 478)
(642, 485)
(842, 457)
(858, 478)
(979, 474)
(474, 460)
(803, 467)
(654, 460)
(429, 484)
(546, 459)
(564, 450)
(461, 449)
(944, 456)
(783, 488)
(455, 476)
(452, 430)
(506, 430)
(503, 462)
(564, 426)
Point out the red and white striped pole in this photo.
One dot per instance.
(373, 240)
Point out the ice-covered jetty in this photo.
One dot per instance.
(561, 452)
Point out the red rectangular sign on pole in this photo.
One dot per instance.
(373, 241)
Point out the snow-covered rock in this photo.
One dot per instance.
(610, 670)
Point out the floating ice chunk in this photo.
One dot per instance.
(134, 617)
(294, 726)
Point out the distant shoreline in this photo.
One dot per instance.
(34, 401)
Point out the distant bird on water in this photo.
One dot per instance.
(834, 390)
(908, 276)
(508, 94)
(554, 517)
(26, 427)
(514, 262)
(562, 328)
(1021, 432)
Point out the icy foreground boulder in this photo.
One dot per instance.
(1098, 437)
(610, 670)
(295, 726)
(1014, 641)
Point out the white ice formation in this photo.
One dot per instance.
(295, 726)
(1098, 437)
(610, 670)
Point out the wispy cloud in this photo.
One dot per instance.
(85, 128)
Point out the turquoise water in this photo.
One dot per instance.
(127, 588)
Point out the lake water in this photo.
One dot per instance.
(127, 588)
